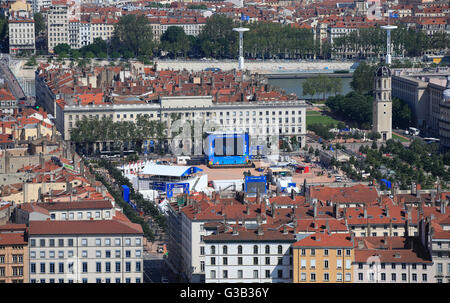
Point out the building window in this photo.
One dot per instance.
(225, 274)
(339, 276)
(267, 249)
(239, 260)
(424, 277)
(255, 274)
(212, 274)
(313, 277)
(213, 250)
(348, 277)
(393, 277)
(326, 277)
(360, 276)
(267, 260)
(240, 274)
(255, 249)
(225, 249)
(303, 276)
(255, 260)
(213, 261)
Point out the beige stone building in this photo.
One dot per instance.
(382, 106)
(57, 24)
(13, 254)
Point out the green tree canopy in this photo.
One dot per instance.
(175, 41)
(363, 78)
(39, 24)
(134, 34)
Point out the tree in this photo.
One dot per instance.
(39, 24)
(217, 38)
(322, 85)
(402, 116)
(363, 78)
(175, 41)
(4, 41)
(133, 34)
(62, 49)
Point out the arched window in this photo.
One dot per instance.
(385, 83)
(213, 250)
(240, 249)
(379, 83)
(280, 249)
(267, 249)
(225, 249)
(255, 249)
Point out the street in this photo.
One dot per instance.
(11, 80)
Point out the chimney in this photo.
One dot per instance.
(365, 212)
(418, 187)
(260, 230)
(247, 212)
(285, 230)
(235, 231)
(315, 210)
(433, 198)
(41, 160)
(360, 244)
(336, 212)
(387, 211)
(443, 205)
(292, 194)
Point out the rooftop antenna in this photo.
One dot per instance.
(241, 31)
(388, 29)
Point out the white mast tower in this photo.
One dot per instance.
(241, 31)
(388, 29)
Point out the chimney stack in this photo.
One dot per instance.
(365, 211)
(315, 210)
(260, 230)
(235, 231)
(443, 205)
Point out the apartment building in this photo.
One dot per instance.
(392, 260)
(57, 24)
(75, 210)
(102, 27)
(21, 32)
(441, 256)
(13, 254)
(38, 5)
(92, 251)
(191, 26)
(7, 100)
(324, 258)
(249, 256)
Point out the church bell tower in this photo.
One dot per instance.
(382, 105)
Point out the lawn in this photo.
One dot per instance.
(314, 117)
(399, 138)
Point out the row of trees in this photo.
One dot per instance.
(406, 42)
(122, 133)
(420, 163)
(323, 85)
(148, 208)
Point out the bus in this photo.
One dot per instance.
(431, 140)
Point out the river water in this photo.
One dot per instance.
(296, 86)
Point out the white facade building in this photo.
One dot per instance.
(104, 251)
(250, 256)
(21, 32)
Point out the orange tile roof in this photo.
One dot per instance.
(325, 240)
